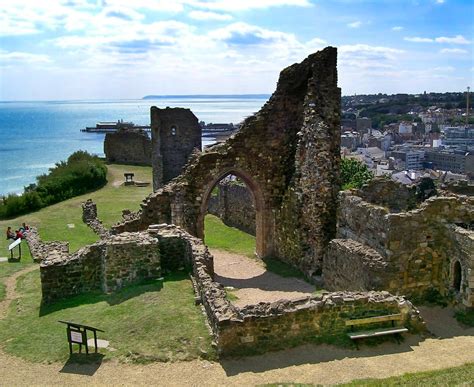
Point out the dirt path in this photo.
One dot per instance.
(10, 285)
(305, 364)
(254, 283)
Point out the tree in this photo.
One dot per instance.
(354, 174)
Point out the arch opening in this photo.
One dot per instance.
(457, 276)
(259, 218)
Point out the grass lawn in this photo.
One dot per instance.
(219, 236)
(153, 321)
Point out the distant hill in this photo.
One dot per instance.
(214, 96)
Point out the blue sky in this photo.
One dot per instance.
(101, 49)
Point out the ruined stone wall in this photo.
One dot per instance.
(128, 146)
(350, 265)
(417, 245)
(105, 266)
(128, 259)
(282, 324)
(270, 326)
(41, 250)
(462, 251)
(288, 156)
(175, 134)
(387, 193)
(234, 205)
(89, 217)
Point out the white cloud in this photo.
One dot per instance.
(417, 39)
(245, 5)
(397, 28)
(207, 15)
(17, 57)
(453, 51)
(355, 24)
(458, 39)
(440, 1)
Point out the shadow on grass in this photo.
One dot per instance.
(114, 298)
(82, 364)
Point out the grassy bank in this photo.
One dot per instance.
(151, 321)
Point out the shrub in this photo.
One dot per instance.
(81, 173)
(354, 174)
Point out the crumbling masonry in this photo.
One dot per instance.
(288, 156)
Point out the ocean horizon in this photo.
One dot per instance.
(35, 135)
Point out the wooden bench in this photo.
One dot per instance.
(393, 330)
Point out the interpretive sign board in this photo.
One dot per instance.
(77, 334)
(13, 245)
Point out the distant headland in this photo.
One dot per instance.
(214, 96)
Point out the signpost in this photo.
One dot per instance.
(77, 334)
(13, 245)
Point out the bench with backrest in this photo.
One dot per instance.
(376, 332)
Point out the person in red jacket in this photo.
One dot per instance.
(19, 234)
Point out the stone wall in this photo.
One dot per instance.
(388, 193)
(233, 203)
(105, 266)
(175, 134)
(350, 265)
(89, 217)
(288, 156)
(128, 146)
(418, 246)
(41, 250)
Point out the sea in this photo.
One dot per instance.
(34, 135)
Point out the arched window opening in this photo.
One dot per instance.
(457, 276)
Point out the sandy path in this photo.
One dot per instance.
(254, 283)
(305, 364)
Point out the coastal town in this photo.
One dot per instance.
(408, 137)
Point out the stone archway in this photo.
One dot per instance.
(264, 229)
(289, 156)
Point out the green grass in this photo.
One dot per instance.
(455, 376)
(465, 317)
(154, 321)
(219, 236)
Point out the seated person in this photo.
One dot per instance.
(10, 233)
(24, 228)
(19, 234)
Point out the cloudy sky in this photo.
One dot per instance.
(107, 49)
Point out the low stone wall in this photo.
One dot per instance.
(105, 266)
(41, 250)
(234, 204)
(116, 261)
(89, 217)
(350, 265)
(270, 326)
(128, 147)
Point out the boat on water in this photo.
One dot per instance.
(111, 126)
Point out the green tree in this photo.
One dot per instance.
(354, 174)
